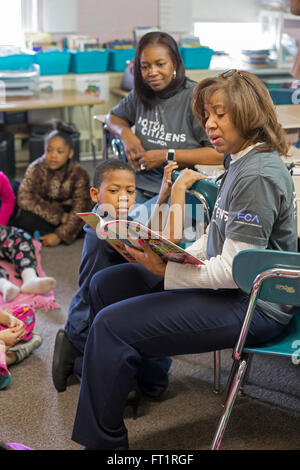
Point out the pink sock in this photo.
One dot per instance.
(5, 376)
(3, 367)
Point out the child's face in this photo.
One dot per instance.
(221, 131)
(57, 153)
(116, 193)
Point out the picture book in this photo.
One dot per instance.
(119, 233)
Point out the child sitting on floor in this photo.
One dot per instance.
(17, 338)
(53, 190)
(17, 247)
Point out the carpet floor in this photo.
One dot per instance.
(33, 413)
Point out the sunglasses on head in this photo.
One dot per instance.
(231, 72)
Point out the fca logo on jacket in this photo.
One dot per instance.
(248, 217)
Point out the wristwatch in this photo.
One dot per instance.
(170, 157)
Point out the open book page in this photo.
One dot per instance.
(97, 223)
(119, 233)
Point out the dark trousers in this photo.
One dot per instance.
(30, 222)
(137, 319)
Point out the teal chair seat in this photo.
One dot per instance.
(283, 345)
(273, 276)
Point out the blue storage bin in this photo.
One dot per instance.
(16, 62)
(118, 57)
(196, 57)
(89, 61)
(283, 95)
(53, 62)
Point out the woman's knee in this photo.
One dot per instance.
(103, 288)
(113, 277)
(105, 278)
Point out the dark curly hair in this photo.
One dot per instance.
(106, 166)
(63, 130)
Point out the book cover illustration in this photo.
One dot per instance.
(119, 233)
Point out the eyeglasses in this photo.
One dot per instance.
(231, 72)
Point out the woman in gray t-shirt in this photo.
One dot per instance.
(167, 308)
(160, 109)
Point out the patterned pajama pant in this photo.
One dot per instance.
(16, 246)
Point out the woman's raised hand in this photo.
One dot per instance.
(187, 178)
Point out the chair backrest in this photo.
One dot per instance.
(208, 190)
(115, 143)
(205, 188)
(248, 264)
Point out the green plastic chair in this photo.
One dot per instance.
(204, 191)
(273, 276)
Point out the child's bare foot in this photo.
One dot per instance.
(10, 337)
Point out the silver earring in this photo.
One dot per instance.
(174, 74)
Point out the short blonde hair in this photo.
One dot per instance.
(249, 105)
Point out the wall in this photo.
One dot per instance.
(179, 16)
(115, 19)
(225, 10)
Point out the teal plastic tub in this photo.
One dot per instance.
(95, 61)
(53, 62)
(16, 62)
(196, 57)
(118, 58)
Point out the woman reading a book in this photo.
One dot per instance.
(160, 109)
(152, 308)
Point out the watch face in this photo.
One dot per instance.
(170, 156)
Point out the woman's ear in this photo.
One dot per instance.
(94, 194)
(71, 153)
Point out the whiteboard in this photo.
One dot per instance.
(60, 16)
(176, 16)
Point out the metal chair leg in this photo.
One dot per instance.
(233, 391)
(217, 371)
(104, 143)
(244, 381)
(231, 376)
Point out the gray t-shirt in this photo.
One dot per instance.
(256, 203)
(168, 124)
